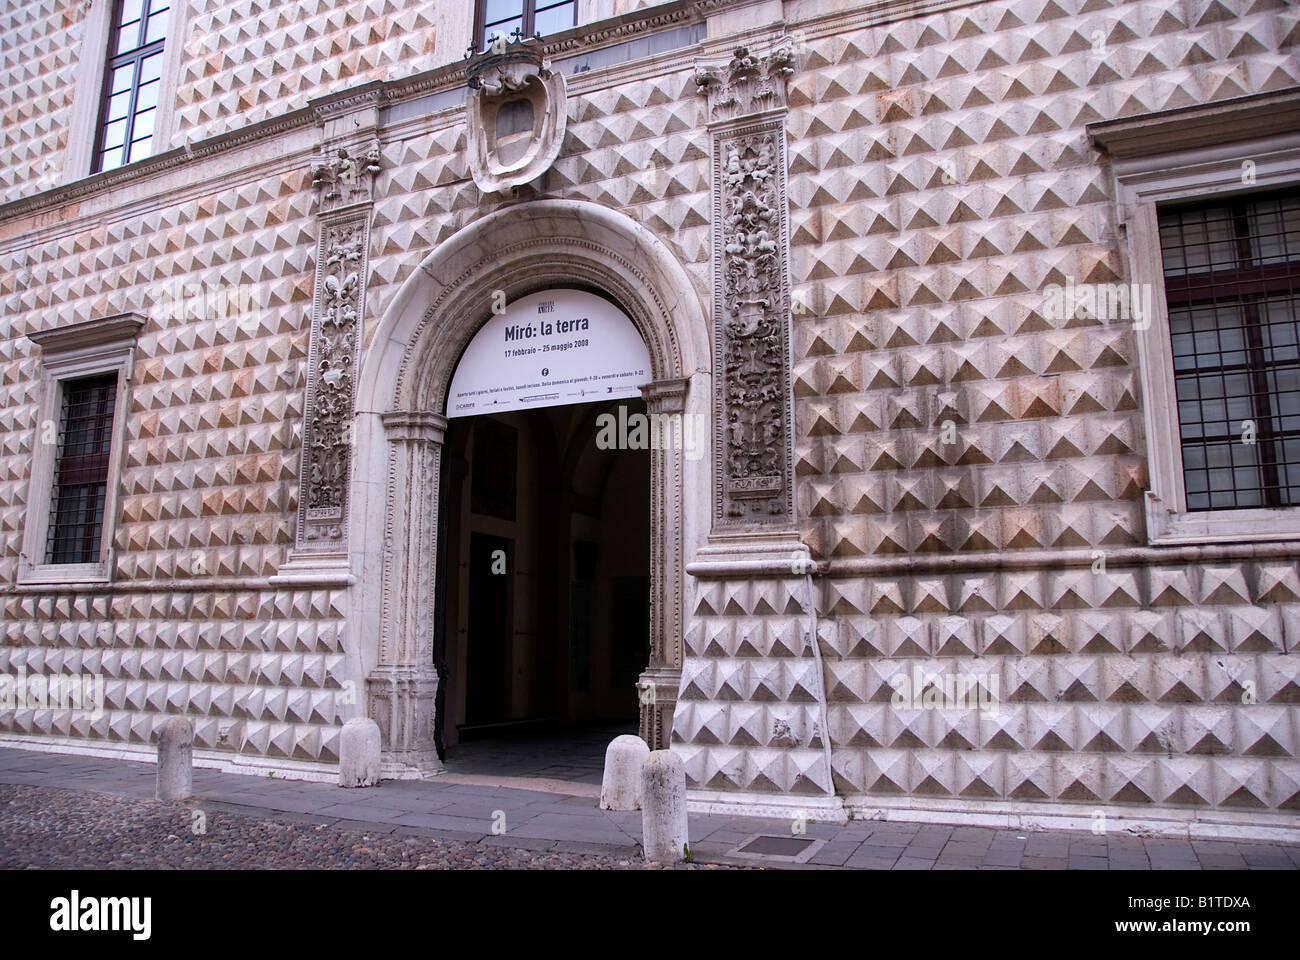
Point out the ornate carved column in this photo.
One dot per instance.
(344, 180)
(403, 686)
(750, 713)
(657, 686)
(753, 407)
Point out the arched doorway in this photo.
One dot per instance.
(545, 539)
(408, 364)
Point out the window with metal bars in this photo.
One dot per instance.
(526, 17)
(132, 79)
(81, 470)
(1232, 284)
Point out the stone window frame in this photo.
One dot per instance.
(1240, 146)
(88, 87)
(73, 352)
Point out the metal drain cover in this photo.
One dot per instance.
(777, 846)
(767, 846)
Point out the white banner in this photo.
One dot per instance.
(546, 350)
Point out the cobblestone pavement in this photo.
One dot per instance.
(84, 807)
(44, 828)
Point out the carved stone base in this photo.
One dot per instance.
(401, 701)
(657, 692)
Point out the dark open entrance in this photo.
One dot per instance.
(545, 589)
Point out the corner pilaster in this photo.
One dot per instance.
(402, 688)
(657, 686)
(751, 707)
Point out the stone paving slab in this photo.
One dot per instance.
(545, 822)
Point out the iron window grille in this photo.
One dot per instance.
(523, 17)
(132, 79)
(81, 470)
(1232, 285)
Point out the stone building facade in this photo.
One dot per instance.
(845, 232)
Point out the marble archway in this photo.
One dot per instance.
(406, 367)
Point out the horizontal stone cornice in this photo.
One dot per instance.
(1203, 125)
(377, 92)
(120, 328)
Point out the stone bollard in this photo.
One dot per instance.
(175, 759)
(663, 807)
(620, 789)
(359, 753)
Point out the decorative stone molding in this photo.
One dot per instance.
(403, 686)
(344, 178)
(657, 693)
(120, 330)
(516, 116)
(747, 84)
(753, 407)
(400, 700)
(406, 373)
(657, 686)
(331, 384)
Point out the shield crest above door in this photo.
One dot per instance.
(517, 115)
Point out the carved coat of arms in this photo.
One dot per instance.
(517, 116)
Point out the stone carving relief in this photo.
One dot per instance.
(747, 85)
(346, 177)
(753, 338)
(344, 182)
(516, 116)
(327, 441)
(753, 448)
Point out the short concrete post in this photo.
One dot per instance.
(620, 789)
(663, 808)
(175, 759)
(359, 753)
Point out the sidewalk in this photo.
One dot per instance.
(463, 808)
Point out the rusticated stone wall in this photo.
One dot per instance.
(966, 470)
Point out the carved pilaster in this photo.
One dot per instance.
(403, 685)
(657, 686)
(657, 692)
(753, 407)
(343, 179)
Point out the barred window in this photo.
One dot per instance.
(529, 17)
(1232, 284)
(132, 79)
(81, 471)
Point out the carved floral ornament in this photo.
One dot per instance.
(753, 335)
(747, 84)
(345, 176)
(334, 356)
(516, 116)
(752, 446)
